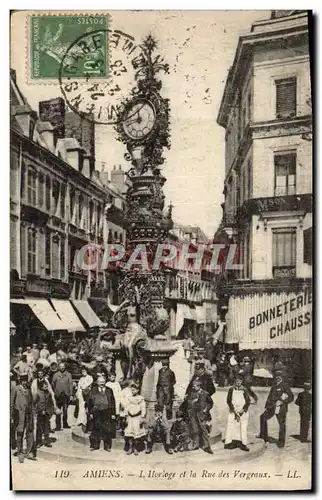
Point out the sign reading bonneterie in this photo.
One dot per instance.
(271, 321)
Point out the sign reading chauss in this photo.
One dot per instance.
(270, 321)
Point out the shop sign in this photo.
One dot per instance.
(60, 290)
(38, 286)
(277, 204)
(270, 321)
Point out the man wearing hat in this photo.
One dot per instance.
(62, 384)
(200, 359)
(199, 404)
(277, 403)
(23, 408)
(304, 402)
(101, 410)
(165, 388)
(246, 369)
(204, 377)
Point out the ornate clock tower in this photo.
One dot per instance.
(144, 128)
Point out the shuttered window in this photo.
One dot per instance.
(286, 98)
(284, 253)
(31, 251)
(285, 174)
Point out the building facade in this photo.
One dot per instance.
(58, 204)
(190, 293)
(267, 114)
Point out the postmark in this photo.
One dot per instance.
(50, 36)
(92, 96)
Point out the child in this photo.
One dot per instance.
(135, 412)
(44, 406)
(165, 387)
(304, 402)
(238, 401)
(116, 388)
(124, 396)
(198, 405)
(159, 431)
(179, 433)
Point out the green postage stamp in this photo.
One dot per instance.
(68, 45)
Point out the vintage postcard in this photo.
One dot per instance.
(161, 250)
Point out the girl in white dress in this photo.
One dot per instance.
(135, 412)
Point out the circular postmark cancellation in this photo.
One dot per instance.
(96, 74)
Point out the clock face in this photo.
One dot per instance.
(140, 120)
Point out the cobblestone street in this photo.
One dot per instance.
(273, 468)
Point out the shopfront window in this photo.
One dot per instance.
(284, 253)
(285, 174)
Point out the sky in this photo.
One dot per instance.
(199, 46)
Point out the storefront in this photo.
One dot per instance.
(195, 321)
(274, 325)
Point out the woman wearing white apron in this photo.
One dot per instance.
(83, 389)
(238, 401)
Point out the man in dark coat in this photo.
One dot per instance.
(165, 388)
(277, 403)
(44, 406)
(13, 415)
(23, 408)
(199, 404)
(101, 410)
(62, 385)
(304, 402)
(204, 378)
(246, 370)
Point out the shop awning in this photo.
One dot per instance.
(201, 314)
(193, 314)
(43, 311)
(87, 313)
(68, 316)
(211, 314)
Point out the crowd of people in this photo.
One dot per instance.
(44, 384)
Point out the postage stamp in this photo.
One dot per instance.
(52, 35)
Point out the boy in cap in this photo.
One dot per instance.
(238, 402)
(246, 368)
(159, 432)
(44, 405)
(304, 402)
(165, 388)
(199, 404)
(179, 433)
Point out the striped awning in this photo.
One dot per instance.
(67, 315)
(87, 313)
(43, 311)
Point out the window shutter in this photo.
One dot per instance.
(307, 234)
(286, 98)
